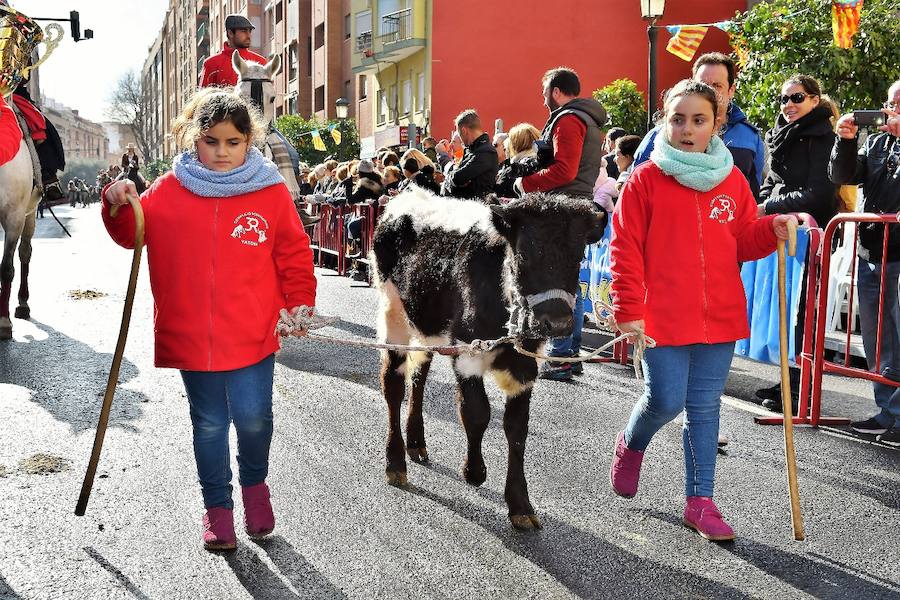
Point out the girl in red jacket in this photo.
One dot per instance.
(683, 222)
(227, 253)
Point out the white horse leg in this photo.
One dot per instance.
(23, 311)
(7, 271)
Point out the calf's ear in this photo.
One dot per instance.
(596, 226)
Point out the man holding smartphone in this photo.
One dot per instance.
(876, 165)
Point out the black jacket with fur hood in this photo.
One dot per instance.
(368, 187)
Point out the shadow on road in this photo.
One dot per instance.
(67, 378)
(263, 583)
(129, 585)
(570, 556)
(823, 578)
(6, 592)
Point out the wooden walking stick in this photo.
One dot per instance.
(117, 356)
(789, 455)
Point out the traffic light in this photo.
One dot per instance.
(76, 25)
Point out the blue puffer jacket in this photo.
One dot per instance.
(740, 137)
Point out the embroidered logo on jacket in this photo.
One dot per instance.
(722, 209)
(250, 228)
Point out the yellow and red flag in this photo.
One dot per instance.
(685, 40)
(845, 21)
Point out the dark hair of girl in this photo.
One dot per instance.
(689, 87)
(211, 106)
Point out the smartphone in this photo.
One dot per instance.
(869, 118)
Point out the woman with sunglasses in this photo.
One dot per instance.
(799, 148)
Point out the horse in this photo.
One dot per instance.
(20, 193)
(255, 84)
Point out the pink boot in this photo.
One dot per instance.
(626, 469)
(258, 517)
(218, 529)
(701, 514)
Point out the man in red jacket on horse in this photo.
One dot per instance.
(217, 69)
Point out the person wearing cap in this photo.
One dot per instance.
(217, 69)
(369, 186)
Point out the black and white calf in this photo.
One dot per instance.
(455, 270)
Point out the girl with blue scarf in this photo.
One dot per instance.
(227, 255)
(683, 222)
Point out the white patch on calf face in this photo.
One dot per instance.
(428, 210)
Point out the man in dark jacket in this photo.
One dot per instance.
(476, 173)
(877, 167)
(742, 139)
(575, 131)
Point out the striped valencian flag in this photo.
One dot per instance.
(845, 21)
(685, 40)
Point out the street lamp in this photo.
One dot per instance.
(652, 10)
(341, 107)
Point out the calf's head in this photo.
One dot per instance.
(547, 236)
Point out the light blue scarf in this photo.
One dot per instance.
(701, 171)
(256, 173)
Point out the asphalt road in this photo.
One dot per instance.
(342, 532)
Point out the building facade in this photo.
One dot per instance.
(421, 63)
(81, 139)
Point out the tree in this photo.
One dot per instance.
(624, 104)
(771, 45)
(293, 127)
(82, 168)
(127, 105)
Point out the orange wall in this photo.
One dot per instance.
(490, 55)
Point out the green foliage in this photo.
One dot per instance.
(155, 168)
(293, 126)
(82, 168)
(625, 105)
(770, 48)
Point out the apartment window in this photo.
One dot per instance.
(309, 52)
(364, 22)
(392, 102)
(382, 107)
(363, 93)
(348, 90)
(292, 105)
(293, 19)
(270, 19)
(347, 25)
(386, 7)
(420, 94)
(279, 12)
(320, 99)
(407, 97)
(320, 35)
(292, 62)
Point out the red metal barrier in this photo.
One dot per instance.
(328, 234)
(813, 363)
(819, 365)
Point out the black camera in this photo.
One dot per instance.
(544, 151)
(869, 118)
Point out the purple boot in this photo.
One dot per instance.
(259, 519)
(702, 515)
(218, 529)
(626, 469)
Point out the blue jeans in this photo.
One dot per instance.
(868, 286)
(570, 345)
(691, 379)
(217, 399)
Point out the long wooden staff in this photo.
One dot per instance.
(117, 356)
(789, 455)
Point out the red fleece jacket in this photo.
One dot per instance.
(674, 256)
(218, 70)
(10, 133)
(568, 140)
(220, 269)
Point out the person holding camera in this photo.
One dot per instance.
(522, 158)
(476, 173)
(876, 166)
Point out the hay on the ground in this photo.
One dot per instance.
(44, 464)
(85, 294)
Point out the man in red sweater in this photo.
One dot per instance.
(217, 69)
(574, 130)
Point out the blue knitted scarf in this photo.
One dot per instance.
(256, 173)
(701, 171)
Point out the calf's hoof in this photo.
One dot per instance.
(23, 312)
(474, 474)
(525, 522)
(396, 478)
(419, 455)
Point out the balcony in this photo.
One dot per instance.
(364, 41)
(396, 26)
